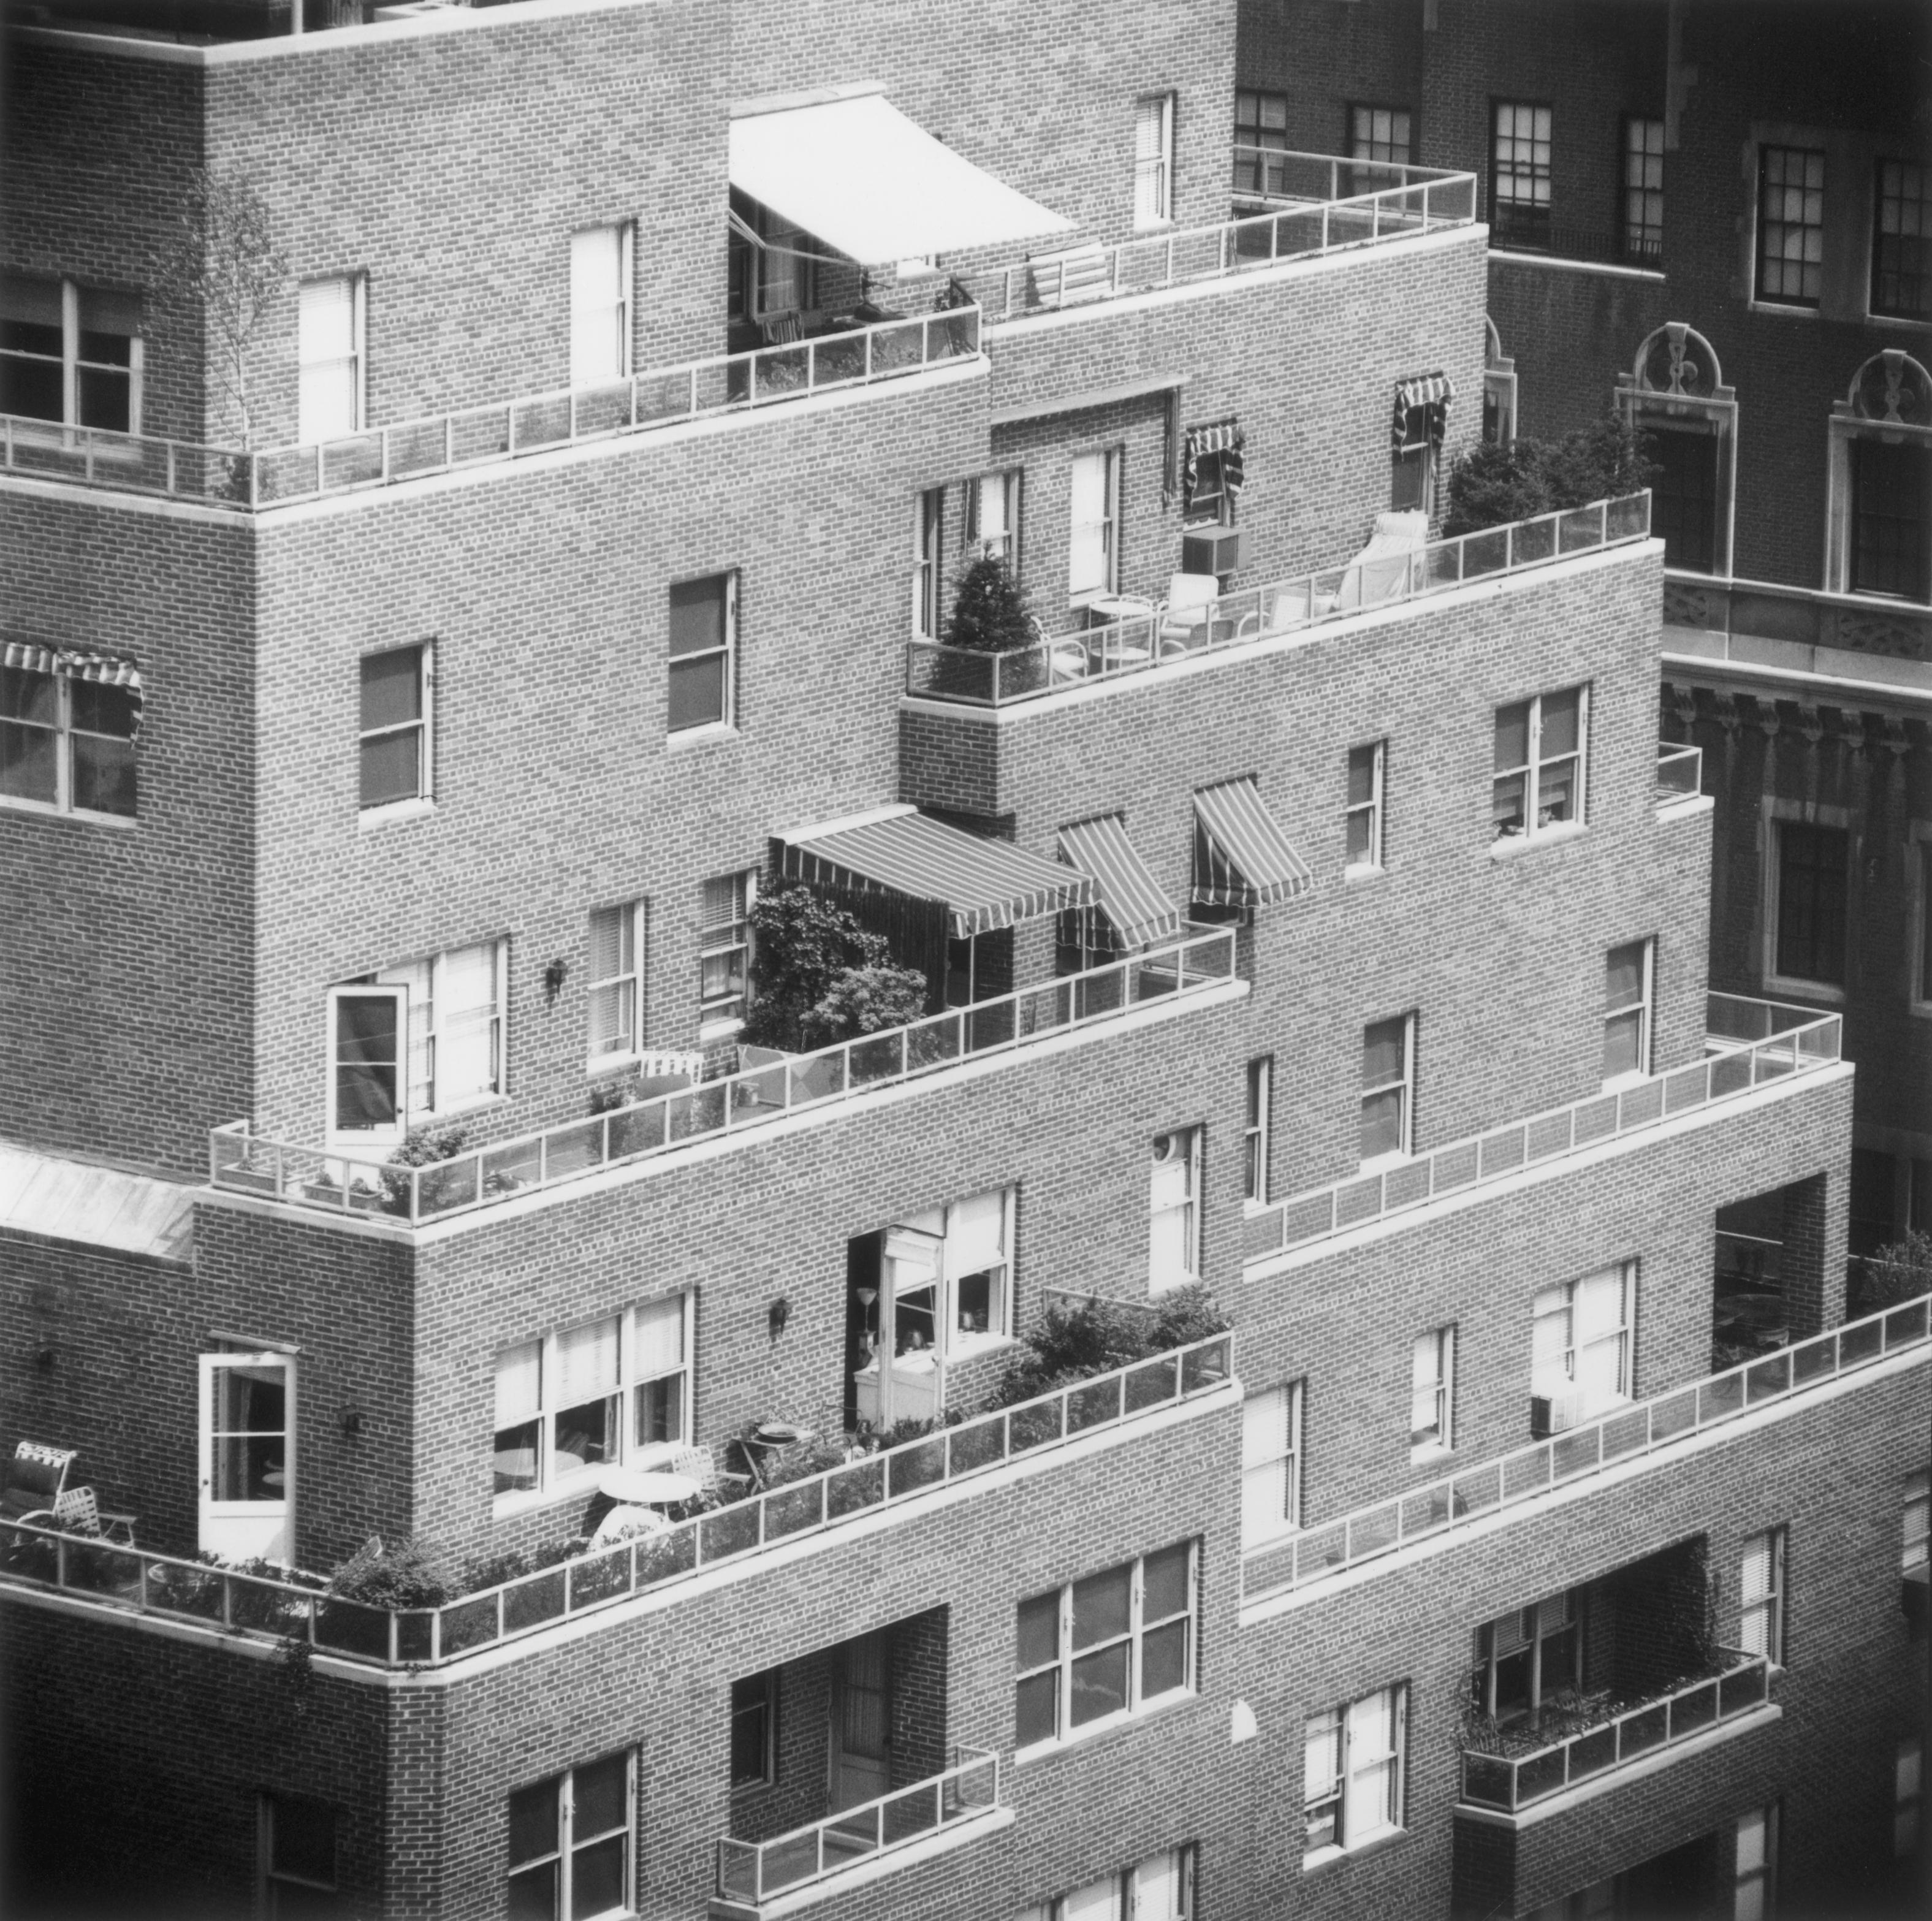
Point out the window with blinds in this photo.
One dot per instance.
(329, 318)
(600, 305)
(1154, 160)
(1271, 1463)
(617, 982)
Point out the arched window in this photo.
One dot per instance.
(1675, 396)
(1499, 388)
(1879, 481)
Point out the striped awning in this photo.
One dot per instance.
(1127, 893)
(111, 669)
(985, 884)
(1225, 438)
(1241, 856)
(1434, 393)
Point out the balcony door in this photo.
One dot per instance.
(862, 1722)
(247, 1457)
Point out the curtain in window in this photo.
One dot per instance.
(519, 1384)
(976, 1233)
(1549, 1361)
(330, 379)
(1160, 1887)
(1370, 1806)
(1264, 1441)
(466, 1025)
(1597, 1315)
(1421, 412)
(418, 977)
(596, 306)
(1090, 549)
(659, 1338)
(586, 1363)
(1151, 141)
(1225, 439)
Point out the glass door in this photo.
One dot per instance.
(247, 1456)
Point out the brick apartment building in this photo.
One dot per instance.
(1311, 915)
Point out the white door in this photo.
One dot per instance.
(247, 1456)
(1090, 558)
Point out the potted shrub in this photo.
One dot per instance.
(821, 978)
(990, 615)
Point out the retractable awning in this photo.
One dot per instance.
(1434, 393)
(862, 178)
(985, 884)
(1127, 893)
(1242, 858)
(80, 663)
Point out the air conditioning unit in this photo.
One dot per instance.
(1214, 550)
(1552, 1414)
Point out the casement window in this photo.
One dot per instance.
(1810, 873)
(330, 321)
(1915, 1522)
(69, 353)
(616, 982)
(1432, 1393)
(1908, 1796)
(724, 951)
(1388, 1089)
(67, 729)
(993, 518)
(613, 1391)
(1092, 555)
(1641, 235)
(1381, 133)
(1628, 988)
(1260, 131)
(1154, 160)
(1259, 1126)
(1580, 1348)
(1754, 1865)
(393, 749)
(949, 1276)
(1159, 1889)
(1901, 267)
(1761, 1595)
(928, 532)
(1355, 1760)
(1363, 816)
(1271, 1462)
(1525, 1657)
(1100, 1650)
(296, 1854)
(1890, 547)
(754, 1731)
(704, 653)
(1174, 1211)
(1537, 780)
(600, 305)
(1414, 456)
(570, 1844)
(1519, 173)
(1790, 225)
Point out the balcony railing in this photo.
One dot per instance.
(162, 1585)
(474, 436)
(752, 1872)
(736, 1103)
(1626, 1432)
(1793, 1041)
(1529, 230)
(1680, 773)
(1511, 1782)
(1144, 642)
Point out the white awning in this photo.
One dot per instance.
(863, 178)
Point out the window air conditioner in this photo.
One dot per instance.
(1552, 1414)
(1214, 550)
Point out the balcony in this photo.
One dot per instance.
(1147, 642)
(1749, 1045)
(894, 1481)
(1529, 230)
(245, 482)
(1524, 1774)
(755, 1878)
(1443, 1509)
(1680, 774)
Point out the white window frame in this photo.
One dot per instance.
(1530, 1628)
(269, 1879)
(1080, 591)
(71, 363)
(713, 1024)
(1258, 1130)
(1369, 810)
(1271, 1462)
(1062, 1666)
(1693, 394)
(1801, 301)
(1007, 486)
(1779, 814)
(424, 727)
(1338, 1782)
(626, 986)
(356, 359)
(1432, 1394)
(1915, 1524)
(1532, 773)
(928, 542)
(1129, 1895)
(1183, 1145)
(1642, 1008)
(337, 1135)
(1761, 1595)
(1403, 1084)
(248, 1526)
(1561, 1299)
(64, 733)
(430, 1039)
(1153, 173)
(726, 720)
(582, 373)
(567, 1841)
(766, 1707)
(1754, 1865)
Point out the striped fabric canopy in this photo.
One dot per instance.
(81, 663)
(1128, 893)
(1435, 393)
(985, 884)
(1225, 438)
(1241, 856)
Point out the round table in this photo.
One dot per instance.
(648, 1487)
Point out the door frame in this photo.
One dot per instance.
(244, 1530)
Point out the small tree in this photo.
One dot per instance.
(990, 615)
(821, 976)
(1491, 485)
(1900, 1271)
(865, 1000)
(224, 262)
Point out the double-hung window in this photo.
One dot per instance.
(1254, 1136)
(570, 1844)
(1388, 1089)
(928, 533)
(616, 982)
(1537, 783)
(1381, 134)
(1260, 133)
(1092, 555)
(703, 652)
(993, 518)
(724, 951)
(1354, 1760)
(754, 1731)
(1761, 1595)
(393, 749)
(69, 353)
(67, 727)
(1628, 972)
(1580, 1348)
(1754, 1865)
(1154, 160)
(1915, 1522)
(1432, 1393)
(330, 325)
(1363, 816)
(1642, 238)
(1100, 1650)
(600, 305)
(1174, 1215)
(1527, 1655)
(1159, 1889)
(296, 1851)
(1520, 173)
(1790, 225)
(1901, 267)
(1271, 1462)
(1810, 873)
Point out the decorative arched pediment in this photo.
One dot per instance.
(1677, 361)
(1492, 343)
(1890, 388)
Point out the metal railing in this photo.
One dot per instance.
(166, 1585)
(1514, 1781)
(732, 384)
(1518, 230)
(735, 1103)
(1331, 215)
(1801, 1041)
(1680, 771)
(1157, 638)
(1626, 1432)
(751, 1872)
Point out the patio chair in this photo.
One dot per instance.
(1184, 618)
(79, 1512)
(35, 1478)
(1069, 276)
(702, 1466)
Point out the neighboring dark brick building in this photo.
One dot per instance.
(363, 780)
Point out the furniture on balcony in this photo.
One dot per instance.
(79, 1512)
(1186, 615)
(625, 1519)
(36, 1479)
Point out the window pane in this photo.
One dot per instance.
(1101, 1606)
(32, 389)
(1039, 1630)
(1623, 1045)
(698, 615)
(26, 695)
(601, 1797)
(1099, 1684)
(1512, 738)
(586, 1436)
(661, 1410)
(1560, 713)
(366, 1059)
(1382, 1124)
(751, 1701)
(104, 776)
(1385, 1052)
(391, 687)
(1164, 1585)
(28, 770)
(1556, 793)
(392, 768)
(98, 708)
(1164, 1659)
(303, 1835)
(105, 399)
(533, 1894)
(516, 1458)
(1361, 775)
(1623, 977)
(1361, 842)
(533, 1822)
(596, 1875)
(697, 691)
(1037, 1708)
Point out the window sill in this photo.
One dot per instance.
(1430, 1454)
(1156, 1288)
(971, 1347)
(1509, 846)
(606, 1064)
(1380, 1163)
(1365, 871)
(1824, 994)
(1757, 304)
(710, 735)
(1897, 320)
(711, 1032)
(14, 804)
(1042, 1750)
(1617, 1082)
(527, 1501)
(1325, 1857)
(475, 1106)
(368, 819)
